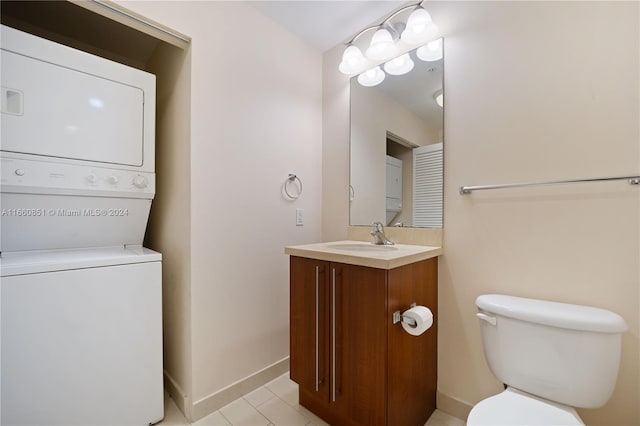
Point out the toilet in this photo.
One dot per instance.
(551, 356)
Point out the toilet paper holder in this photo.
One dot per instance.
(397, 317)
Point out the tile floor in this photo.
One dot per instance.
(274, 404)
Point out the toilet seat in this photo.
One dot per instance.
(514, 407)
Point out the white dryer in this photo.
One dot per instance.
(78, 147)
(81, 299)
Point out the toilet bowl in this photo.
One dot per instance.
(552, 357)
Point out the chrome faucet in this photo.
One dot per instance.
(378, 235)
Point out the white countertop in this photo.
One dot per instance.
(364, 253)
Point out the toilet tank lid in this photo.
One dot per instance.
(555, 314)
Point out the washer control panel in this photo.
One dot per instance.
(20, 175)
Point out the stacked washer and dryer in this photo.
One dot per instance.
(81, 298)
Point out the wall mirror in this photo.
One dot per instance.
(396, 163)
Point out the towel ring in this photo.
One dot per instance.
(293, 178)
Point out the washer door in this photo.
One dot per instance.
(83, 347)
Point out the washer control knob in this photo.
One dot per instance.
(19, 172)
(113, 179)
(140, 181)
(91, 178)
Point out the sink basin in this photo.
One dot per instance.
(362, 247)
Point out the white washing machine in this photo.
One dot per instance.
(82, 337)
(80, 298)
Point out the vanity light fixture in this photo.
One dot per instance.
(420, 28)
(353, 61)
(383, 46)
(371, 77)
(400, 65)
(432, 51)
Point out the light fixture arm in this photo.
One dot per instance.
(399, 11)
(361, 33)
(385, 22)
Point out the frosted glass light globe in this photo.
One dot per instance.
(420, 28)
(353, 61)
(382, 46)
(371, 77)
(430, 52)
(400, 65)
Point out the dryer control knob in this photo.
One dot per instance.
(112, 179)
(140, 182)
(19, 172)
(91, 178)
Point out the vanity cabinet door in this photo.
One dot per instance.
(359, 354)
(309, 328)
(338, 340)
(412, 366)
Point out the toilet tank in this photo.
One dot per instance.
(562, 352)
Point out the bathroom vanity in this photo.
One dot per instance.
(355, 366)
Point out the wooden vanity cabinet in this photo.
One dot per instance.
(352, 364)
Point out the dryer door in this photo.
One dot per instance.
(54, 111)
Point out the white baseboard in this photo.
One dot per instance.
(177, 394)
(217, 400)
(452, 406)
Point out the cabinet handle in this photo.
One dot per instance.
(317, 275)
(333, 335)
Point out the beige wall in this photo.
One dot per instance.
(535, 91)
(260, 120)
(256, 116)
(335, 147)
(541, 103)
(169, 230)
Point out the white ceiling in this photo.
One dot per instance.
(324, 24)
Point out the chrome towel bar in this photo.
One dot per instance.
(633, 180)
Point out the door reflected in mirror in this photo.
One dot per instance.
(396, 170)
